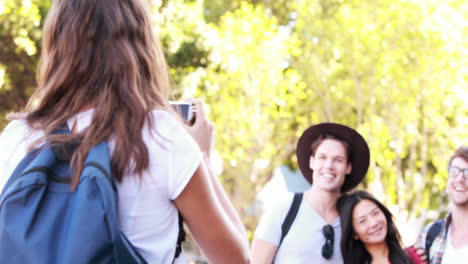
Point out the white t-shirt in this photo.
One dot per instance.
(454, 255)
(304, 241)
(148, 215)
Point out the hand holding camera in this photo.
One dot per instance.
(199, 127)
(185, 109)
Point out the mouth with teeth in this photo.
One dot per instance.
(459, 188)
(328, 175)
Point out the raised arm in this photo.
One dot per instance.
(208, 221)
(206, 209)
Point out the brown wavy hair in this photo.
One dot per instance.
(461, 152)
(100, 54)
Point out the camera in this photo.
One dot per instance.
(185, 110)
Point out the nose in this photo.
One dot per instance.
(459, 177)
(328, 163)
(373, 221)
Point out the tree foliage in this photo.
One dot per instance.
(387, 70)
(20, 34)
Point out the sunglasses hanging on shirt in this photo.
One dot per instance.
(327, 249)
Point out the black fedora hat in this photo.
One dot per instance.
(360, 155)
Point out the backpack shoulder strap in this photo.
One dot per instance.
(29, 160)
(18, 172)
(289, 219)
(180, 238)
(434, 230)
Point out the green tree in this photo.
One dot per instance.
(391, 72)
(20, 35)
(250, 89)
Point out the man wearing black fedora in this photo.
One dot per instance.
(334, 158)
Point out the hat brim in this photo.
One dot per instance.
(360, 151)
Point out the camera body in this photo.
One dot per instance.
(185, 110)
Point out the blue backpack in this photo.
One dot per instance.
(43, 221)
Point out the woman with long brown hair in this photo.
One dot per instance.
(103, 73)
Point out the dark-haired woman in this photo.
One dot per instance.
(369, 235)
(103, 73)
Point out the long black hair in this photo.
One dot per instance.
(353, 250)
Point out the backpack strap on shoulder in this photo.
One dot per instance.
(434, 230)
(289, 219)
(180, 237)
(30, 156)
(64, 151)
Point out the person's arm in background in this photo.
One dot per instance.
(225, 202)
(419, 246)
(417, 255)
(203, 132)
(268, 233)
(206, 209)
(263, 252)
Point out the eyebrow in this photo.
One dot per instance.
(335, 156)
(371, 211)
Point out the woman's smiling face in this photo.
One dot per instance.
(369, 223)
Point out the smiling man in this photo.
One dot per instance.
(449, 243)
(334, 159)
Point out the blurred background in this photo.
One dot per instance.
(397, 71)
